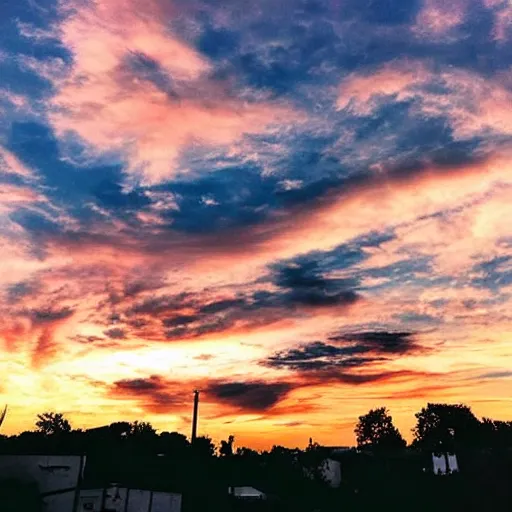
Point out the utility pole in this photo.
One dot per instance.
(194, 417)
(2, 416)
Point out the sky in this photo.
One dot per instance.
(300, 208)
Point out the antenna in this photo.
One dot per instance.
(2, 416)
(194, 417)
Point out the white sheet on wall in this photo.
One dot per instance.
(439, 464)
(452, 462)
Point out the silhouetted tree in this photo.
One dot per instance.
(142, 429)
(226, 447)
(445, 427)
(173, 443)
(496, 434)
(19, 496)
(52, 423)
(203, 447)
(244, 452)
(375, 430)
(120, 429)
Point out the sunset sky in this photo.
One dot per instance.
(302, 208)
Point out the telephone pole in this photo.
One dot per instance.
(194, 417)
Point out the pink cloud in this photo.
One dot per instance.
(502, 18)
(90, 268)
(399, 79)
(437, 18)
(13, 195)
(473, 104)
(10, 164)
(469, 227)
(17, 100)
(112, 108)
(383, 202)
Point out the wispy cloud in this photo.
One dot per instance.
(136, 89)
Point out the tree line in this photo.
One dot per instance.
(439, 428)
(383, 469)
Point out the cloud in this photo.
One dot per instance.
(502, 14)
(387, 200)
(16, 292)
(255, 396)
(319, 356)
(292, 290)
(161, 199)
(306, 285)
(47, 315)
(397, 80)
(345, 351)
(160, 395)
(384, 11)
(45, 348)
(130, 67)
(496, 375)
(10, 164)
(45, 325)
(358, 379)
(13, 197)
(473, 104)
(456, 239)
(435, 19)
(154, 393)
(382, 341)
(287, 291)
(115, 334)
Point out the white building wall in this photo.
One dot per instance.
(246, 492)
(452, 463)
(165, 502)
(331, 470)
(138, 500)
(90, 500)
(439, 463)
(116, 498)
(54, 473)
(62, 502)
(50, 472)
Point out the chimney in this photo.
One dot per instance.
(194, 418)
